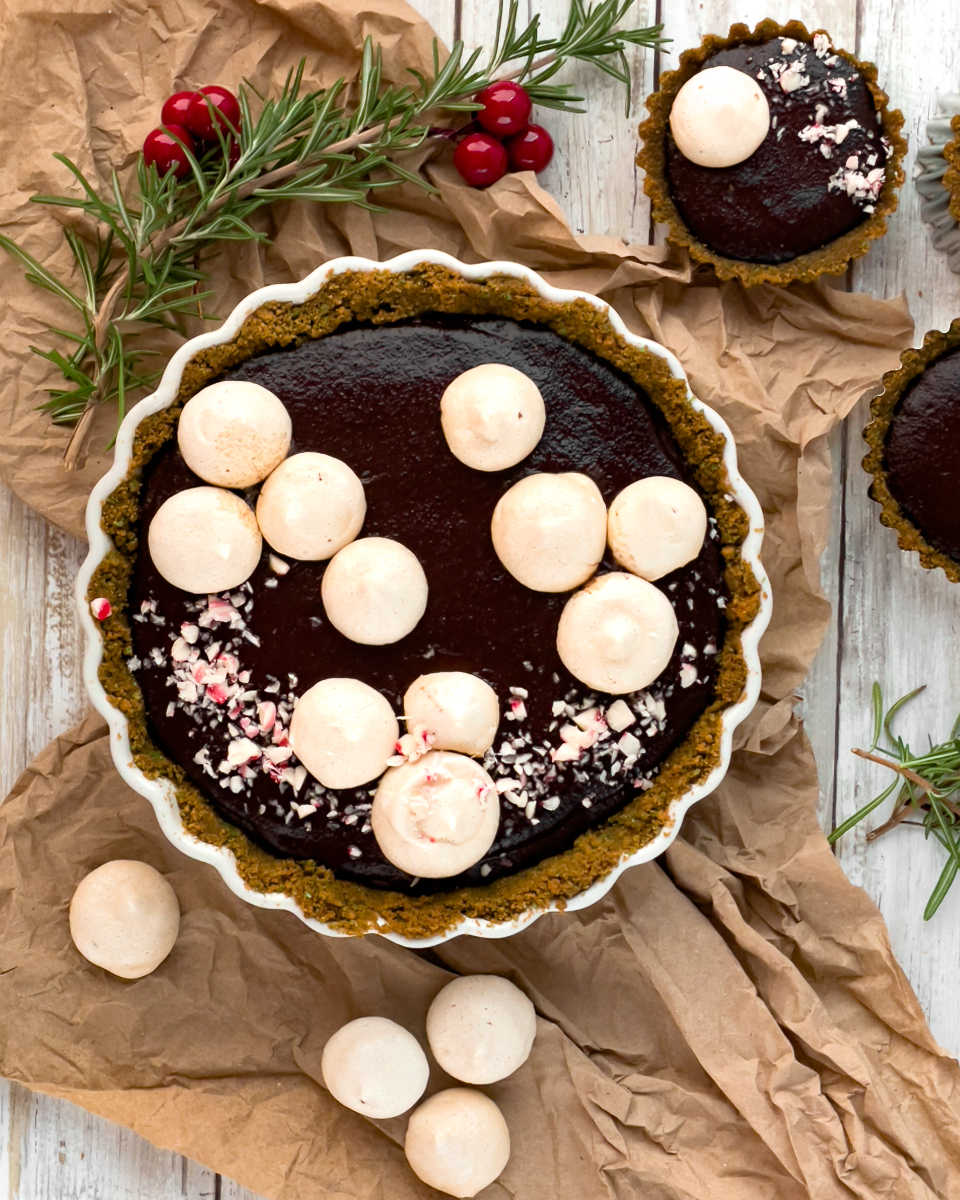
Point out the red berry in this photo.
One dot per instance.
(160, 149)
(530, 150)
(200, 119)
(174, 111)
(506, 108)
(480, 159)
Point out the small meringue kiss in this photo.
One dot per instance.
(204, 540)
(374, 591)
(617, 634)
(550, 531)
(457, 1142)
(481, 1028)
(375, 1067)
(492, 416)
(719, 117)
(656, 525)
(233, 433)
(459, 710)
(124, 917)
(311, 507)
(437, 816)
(343, 731)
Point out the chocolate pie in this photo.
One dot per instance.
(914, 442)
(818, 187)
(582, 778)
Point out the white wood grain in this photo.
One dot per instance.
(592, 175)
(899, 622)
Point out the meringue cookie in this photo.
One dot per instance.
(459, 710)
(343, 731)
(374, 1067)
(550, 531)
(233, 433)
(617, 634)
(437, 816)
(457, 1142)
(374, 591)
(481, 1028)
(719, 117)
(656, 525)
(492, 416)
(204, 540)
(311, 506)
(124, 917)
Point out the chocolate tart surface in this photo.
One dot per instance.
(361, 366)
(914, 441)
(810, 199)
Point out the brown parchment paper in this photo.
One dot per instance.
(729, 1022)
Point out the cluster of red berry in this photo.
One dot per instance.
(189, 118)
(482, 157)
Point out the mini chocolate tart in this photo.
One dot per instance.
(914, 441)
(951, 177)
(819, 187)
(361, 366)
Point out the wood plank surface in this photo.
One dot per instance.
(896, 622)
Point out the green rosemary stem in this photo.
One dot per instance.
(924, 787)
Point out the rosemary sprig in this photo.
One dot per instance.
(925, 785)
(141, 267)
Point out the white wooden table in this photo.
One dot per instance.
(895, 622)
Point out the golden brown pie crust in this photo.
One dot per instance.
(384, 296)
(883, 407)
(951, 177)
(831, 259)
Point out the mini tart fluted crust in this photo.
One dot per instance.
(951, 177)
(835, 256)
(883, 409)
(383, 297)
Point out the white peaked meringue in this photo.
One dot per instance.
(375, 1067)
(374, 591)
(656, 525)
(311, 506)
(436, 816)
(459, 710)
(124, 917)
(719, 117)
(492, 416)
(457, 1142)
(481, 1028)
(233, 433)
(343, 731)
(617, 634)
(550, 531)
(204, 540)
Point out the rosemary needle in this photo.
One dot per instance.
(924, 785)
(336, 145)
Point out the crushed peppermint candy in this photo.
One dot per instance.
(101, 608)
(836, 134)
(857, 185)
(792, 78)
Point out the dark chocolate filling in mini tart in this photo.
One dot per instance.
(370, 395)
(922, 454)
(801, 188)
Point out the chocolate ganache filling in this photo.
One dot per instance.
(370, 395)
(818, 172)
(922, 453)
